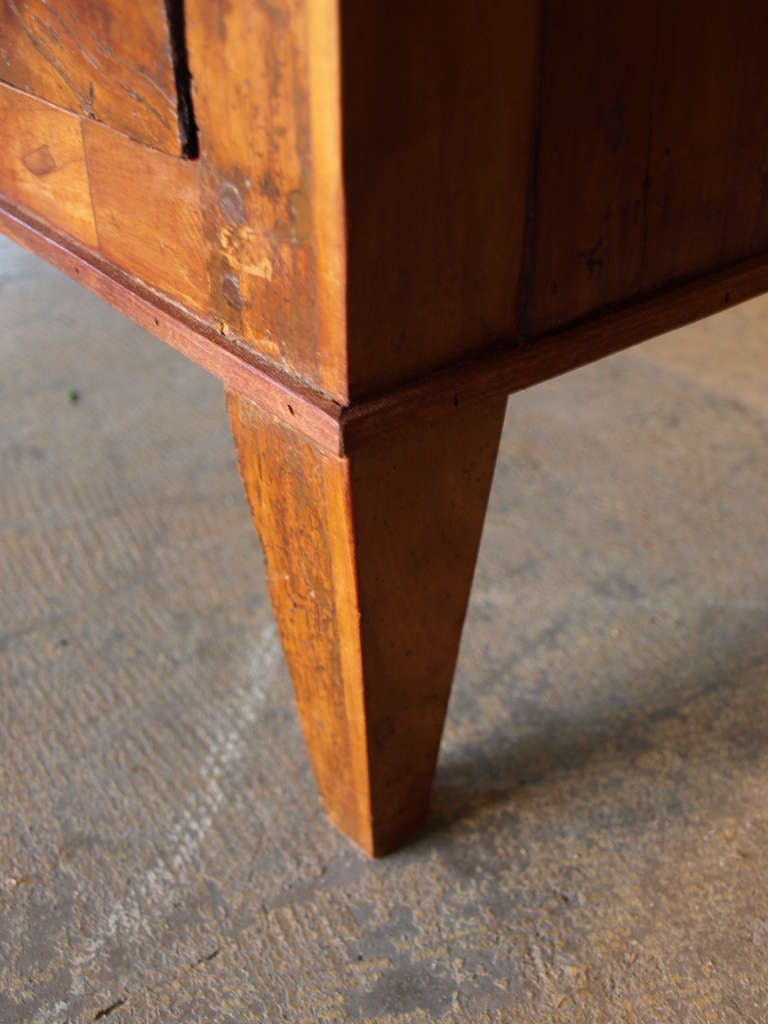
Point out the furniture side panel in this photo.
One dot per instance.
(652, 151)
(438, 101)
(258, 71)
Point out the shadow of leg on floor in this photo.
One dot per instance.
(704, 712)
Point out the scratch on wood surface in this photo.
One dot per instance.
(44, 53)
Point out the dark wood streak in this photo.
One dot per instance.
(45, 53)
(174, 10)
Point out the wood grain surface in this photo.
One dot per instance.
(114, 61)
(651, 159)
(42, 164)
(111, 61)
(370, 561)
(161, 839)
(251, 92)
(514, 368)
(282, 396)
(383, 193)
(340, 429)
(438, 104)
(148, 214)
(397, 215)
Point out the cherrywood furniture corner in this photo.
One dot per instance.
(373, 222)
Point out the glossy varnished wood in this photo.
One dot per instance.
(650, 156)
(378, 198)
(148, 213)
(42, 164)
(394, 216)
(272, 193)
(438, 105)
(342, 429)
(111, 61)
(370, 560)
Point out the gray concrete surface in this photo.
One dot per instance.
(598, 847)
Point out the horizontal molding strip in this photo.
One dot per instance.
(514, 367)
(309, 411)
(340, 430)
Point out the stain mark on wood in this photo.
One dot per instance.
(593, 261)
(231, 204)
(42, 163)
(39, 161)
(264, 65)
(230, 289)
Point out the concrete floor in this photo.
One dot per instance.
(598, 847)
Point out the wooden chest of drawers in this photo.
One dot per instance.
(374, 221)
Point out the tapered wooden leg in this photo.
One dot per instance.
(370, 560)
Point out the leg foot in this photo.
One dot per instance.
(370, 560)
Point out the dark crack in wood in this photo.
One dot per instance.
(183, 78)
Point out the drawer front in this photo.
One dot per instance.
(109, 60)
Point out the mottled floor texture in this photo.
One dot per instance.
(598, 846)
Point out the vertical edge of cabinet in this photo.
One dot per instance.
(328, 210)
(254, 86)
(438, 105)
